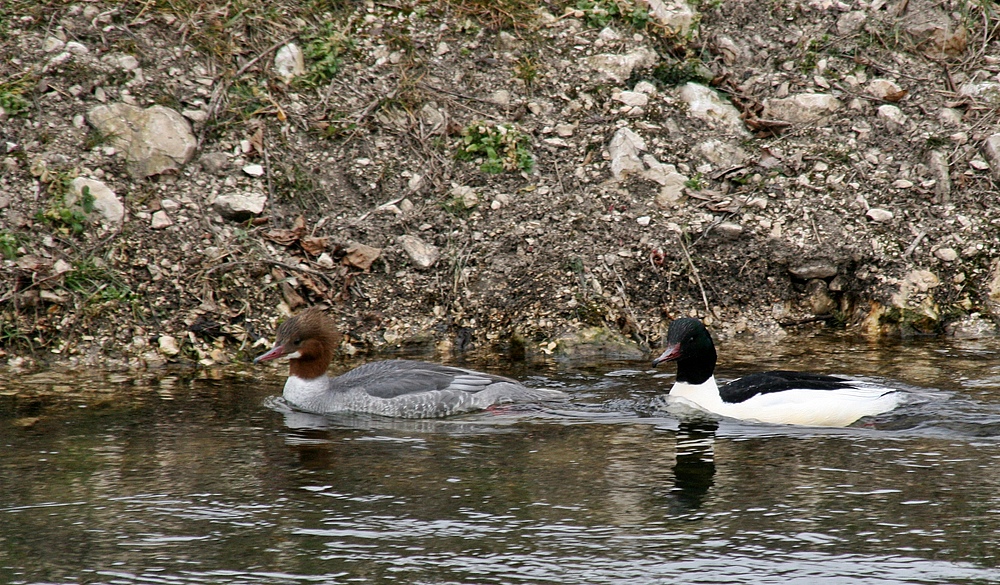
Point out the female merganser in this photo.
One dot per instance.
(400, 388)
(779, 397)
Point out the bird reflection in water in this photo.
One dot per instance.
(694, 472)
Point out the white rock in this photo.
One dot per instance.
(289, 62)
(727, 230)
(883, 88)
(53, 44)
(937, 164)
(705, 104)
(195, 115)
(254, 170)
(674, 15)
(644, 220)
(160, 220)
(240, 206)
(467, 195)
(565, 130)
(724, 154)
(986, 90)
(619, 68)
(501, 97)
(415, 183)
(168, 345)
(946, 254)
(624, 148)
(879, 215)
(991, 149)
(325, 261)
(732, 53)
(77, 48)
(609, 34)
(106, 203)
(422, 254)
(632, 98)
(645, 87)
(851, 22)
(801, 108)
(950, 116)
(154, 140)
(892, 114)
(61, 266)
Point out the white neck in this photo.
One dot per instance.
(304, 392)
(705, 395)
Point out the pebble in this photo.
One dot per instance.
(883, 89)
(801, 108)
(160, 220)
(946, 254)
(214, 162)
(879, 215)
(254, 170)
(422, 254)
(727, 230)
(239, 206)
(892, 114)
(705, 104)
(289, 62)
(168, 345)
(813, 269)
(991, 149)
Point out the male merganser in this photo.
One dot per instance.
(400, 388)
(779, 397)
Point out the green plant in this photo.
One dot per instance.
(95, 281)
(696, 182)
(324, 49)
(12, 100)
(8, 244)
(600, 13)
(11, 336)
(497, 148)
(67, 218)
(935, 142)
(674, 73)
(526, 68)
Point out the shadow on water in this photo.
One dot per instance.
(181, 478)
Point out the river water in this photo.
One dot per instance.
(197, 477)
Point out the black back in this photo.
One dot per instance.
(777, 381)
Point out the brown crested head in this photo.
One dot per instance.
(308, 340)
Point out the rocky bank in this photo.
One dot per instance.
(521, 176)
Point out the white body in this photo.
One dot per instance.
(821, 408)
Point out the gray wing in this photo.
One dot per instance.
(394, 378)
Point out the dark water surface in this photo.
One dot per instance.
(174, 478)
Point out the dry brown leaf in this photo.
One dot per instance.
(361, 256)
(292, 298)
(314, 246)
(257, 140)
(288, 237)
(315, 285)
(896, 95)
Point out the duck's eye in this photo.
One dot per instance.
(297, 341)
